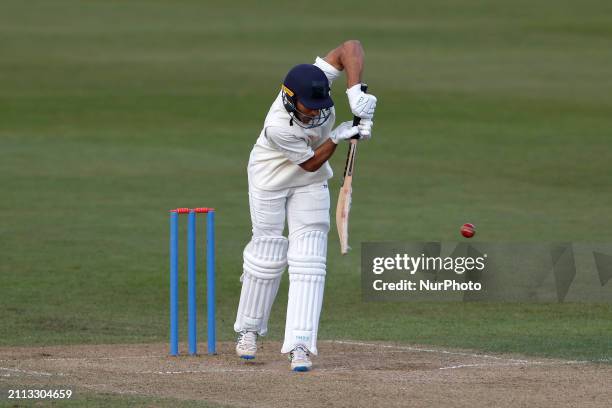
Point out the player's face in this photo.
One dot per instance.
(304, 114)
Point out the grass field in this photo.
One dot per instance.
(112, 112)
(104, 400)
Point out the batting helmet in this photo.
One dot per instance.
(307, 84)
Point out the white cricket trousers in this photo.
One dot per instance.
(305, 210)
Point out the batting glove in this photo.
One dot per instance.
(344, 131)
(365, 129)
(362, 104)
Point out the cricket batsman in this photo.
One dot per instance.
(288, 171)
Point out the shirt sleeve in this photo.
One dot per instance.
(330, 71)
(296, 149)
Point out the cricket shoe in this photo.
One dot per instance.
(246, 345)
(300, 359)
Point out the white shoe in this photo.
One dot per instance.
(246, 346)
(300, 359)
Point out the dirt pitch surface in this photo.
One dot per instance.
(346, 374)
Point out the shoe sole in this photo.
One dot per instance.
(248, 357)
(301, 369)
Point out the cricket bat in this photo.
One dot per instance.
(343, 207)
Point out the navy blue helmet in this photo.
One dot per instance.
(307, 84)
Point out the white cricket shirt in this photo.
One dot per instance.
(280, 148)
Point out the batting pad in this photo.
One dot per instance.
(306, 258)
(265, 259)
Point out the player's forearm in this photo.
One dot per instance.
(322, 154)
(348, 56)
(352, 60)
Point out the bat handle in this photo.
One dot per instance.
(357, 119)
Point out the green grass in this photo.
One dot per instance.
(112, 112)
(91, 400)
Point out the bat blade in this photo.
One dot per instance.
(342, 214)
(343, 207)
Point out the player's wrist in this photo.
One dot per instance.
(334, 138)
(354, 92)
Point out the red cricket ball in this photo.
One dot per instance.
(468, 230)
